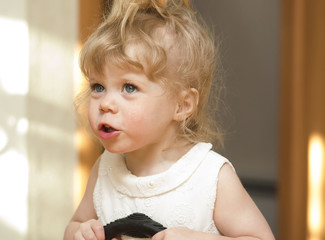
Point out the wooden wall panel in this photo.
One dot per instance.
(302, 108)
(90, 15)
(315, 87)
(293, 142)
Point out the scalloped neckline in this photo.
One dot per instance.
(128, 184)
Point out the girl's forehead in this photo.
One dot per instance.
(117, 65)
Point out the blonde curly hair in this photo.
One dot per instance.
(170, 39)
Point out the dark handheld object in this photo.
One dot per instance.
(136, 225)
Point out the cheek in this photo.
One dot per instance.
(92, 115)
(143, 117)
(137, 117)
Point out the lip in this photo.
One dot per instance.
(107, 131)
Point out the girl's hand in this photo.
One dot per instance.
(177, 233)
(90, 230)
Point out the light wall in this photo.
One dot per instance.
(37, 153)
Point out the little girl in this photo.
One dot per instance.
(150, 66)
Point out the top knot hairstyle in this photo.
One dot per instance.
(173, 47)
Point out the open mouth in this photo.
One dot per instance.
(107, 129)
(107, 132)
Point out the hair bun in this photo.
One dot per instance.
(127, 8)
(161, 4)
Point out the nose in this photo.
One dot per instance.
(108, 103)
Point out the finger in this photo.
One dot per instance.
(158, 236)
(99, 231)
(89, 235)
(78, 236)
(86, 231)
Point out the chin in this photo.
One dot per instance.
(122, 147)
(116, 148)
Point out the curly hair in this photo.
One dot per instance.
(170, 40)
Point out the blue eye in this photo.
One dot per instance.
(129, 88)
(98, 88)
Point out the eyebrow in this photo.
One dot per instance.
(93, 79)
(136, 77)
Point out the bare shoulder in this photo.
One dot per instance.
(93, 177)
(235, 212)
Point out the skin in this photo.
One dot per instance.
(146, 120)
(143, 115)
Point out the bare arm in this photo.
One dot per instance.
(235, 214)
(84, 224)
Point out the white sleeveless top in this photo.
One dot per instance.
(184, 195)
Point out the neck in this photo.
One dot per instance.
(155, 158)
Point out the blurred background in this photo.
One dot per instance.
(273, 55)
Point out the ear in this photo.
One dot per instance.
(187, 104)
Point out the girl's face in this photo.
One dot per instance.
(128, 112)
